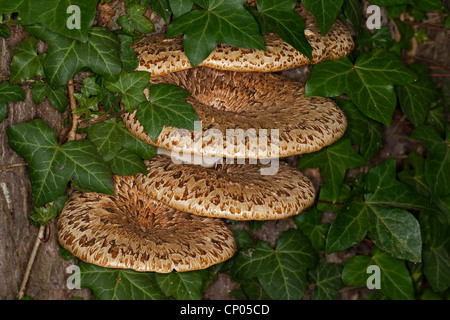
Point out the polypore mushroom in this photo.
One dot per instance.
(233, 191)
(162, 56)
(133, 231)
(274, 116)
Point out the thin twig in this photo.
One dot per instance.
(40, 236)
(439, 75)
(75, 117)
(103, 117)
(13, 165)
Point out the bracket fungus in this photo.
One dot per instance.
(170, 218)
(236, 192)
(130, 230)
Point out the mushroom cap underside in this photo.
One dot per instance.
(161, 56)
(247, 115)
(232, 191)
(133, 231)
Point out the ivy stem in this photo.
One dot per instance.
(75, 117)
(38, 241)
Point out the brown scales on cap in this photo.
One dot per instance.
(226, 100)
(161, 56)
(237, 192)
(133, 231)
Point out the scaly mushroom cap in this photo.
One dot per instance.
(161, 56)
(133, 231)
(232, 191)
(270, 109)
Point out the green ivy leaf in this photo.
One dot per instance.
(127, 55)
(127, 163)
(105, 136)
(4, 31)
(415, 176)
(131, 86)
(135, 20)
(3, 111)
(325, 12)
(368, 83)
(361, 130)
(437, 164)
(353, 11)
(217, 21)
(166, 106)
(57, 97)
(65, 57)
(333, 162)
(395, 280)
(26, 63)
(381, 211)
(180, 7)
(436, 250)
(309, 223)
(416, 98)
(11, 93)
(281, 272)
(135, 145)
(280, 17)
(326, 279)
(120, 284)
(42, 215)
(182, 285)
(52, 166)
(55, 16)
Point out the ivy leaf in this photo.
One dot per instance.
(325, 12)
(52, 166)
(55, 16)
(381, 211)
(361, 130)
(182, 285)
(127, 55)
(135, 145)
(42, 215)
(4, 31)
(436, 250)
(119, 284)
(166, 106)
(57, 97)
(11, 93)
(26, 63)
(309, 223)
(3, 111)
(333, 162)
(58, 18)
(416, 98)
(326, 279)
(353, 11)
(415, 176)
(437, 163)
(180, 7)
(280, 17)
(395, 281)
(65, 57)
(105, 136)
(281, 272)
(368, 83)
(217, 21)
(131, 86)
(127, 163)
(135, 20)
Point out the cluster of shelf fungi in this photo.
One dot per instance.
(175, 216)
